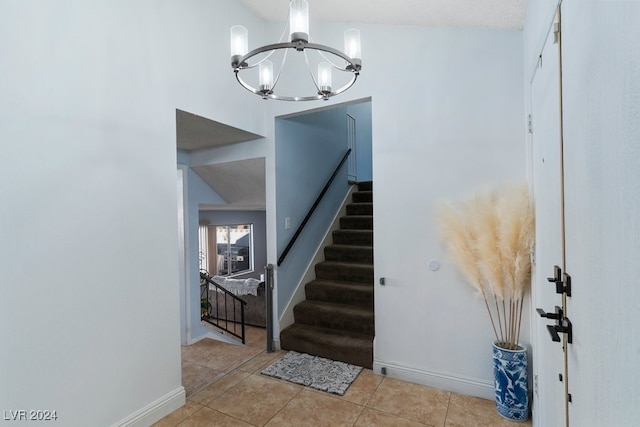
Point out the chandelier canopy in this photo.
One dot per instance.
(348, 62)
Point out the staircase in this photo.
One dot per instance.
(336, 320)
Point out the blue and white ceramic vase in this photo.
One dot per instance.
(510, 381)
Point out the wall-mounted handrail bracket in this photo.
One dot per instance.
(562, 281)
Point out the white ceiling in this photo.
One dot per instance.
(241, 183)
(505, 14)
(196, 132)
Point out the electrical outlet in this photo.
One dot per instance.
(287, 223)
(535, 384)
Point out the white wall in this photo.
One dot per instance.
(450, 127)
(89, 308)
(88, 127)
(448, 121)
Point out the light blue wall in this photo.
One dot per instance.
(308, 149)
(362, 113)
(258, 219)
(198, 192)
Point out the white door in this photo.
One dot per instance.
(601, 95)
(549, 379)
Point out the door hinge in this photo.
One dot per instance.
(556, 33)
(530, 123)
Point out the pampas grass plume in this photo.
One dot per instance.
(490, 238)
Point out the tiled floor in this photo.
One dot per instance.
(225, 388)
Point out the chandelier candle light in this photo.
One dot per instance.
(348, 61)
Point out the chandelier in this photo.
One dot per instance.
(348, 62)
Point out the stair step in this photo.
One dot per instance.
(356, 222)
(360, 209)
(349, 253)
(344, 272)
(365, 186)
(362, 197)
(356, 349)
(343, 317)
(336, 320)
(340, 292)
(353, 237)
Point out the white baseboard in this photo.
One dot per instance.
(155, 410)
(456, 384)
(276, 344)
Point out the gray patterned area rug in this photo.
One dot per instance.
(313, 371)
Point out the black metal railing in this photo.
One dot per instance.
(221, 308)
(312, 209)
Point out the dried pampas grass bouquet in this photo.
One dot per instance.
(490, 237)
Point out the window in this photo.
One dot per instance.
(226, 250)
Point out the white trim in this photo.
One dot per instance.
(214, 335)
(183, 249)
(155, 411)
(276, 343)
(442, 381)
(310, 273)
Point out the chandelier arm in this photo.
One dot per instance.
(328, 60)
(305, 98)
(332, 63)
(284, 59)
(242, 64)
(313, 79)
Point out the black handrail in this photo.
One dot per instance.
(216, 320)
(313, 208)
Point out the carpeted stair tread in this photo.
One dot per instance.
(340, 292)
(353, 237)
(356, 222)
(343, 271)
(347, 347)
(360, 209)
(362, 197)
(336, 320)
(358, 254)
(365, 186)
(343, 317)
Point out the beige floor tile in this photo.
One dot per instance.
(256, 399)
(208, 417)
(311, 408)
(224, 388)
(179, 415)
(256, 337)
(259, 362)
(467, 411)
(196, 377)
(362, 389)
(219, 387)
(372, 418)
(225, 357)
(412, 401)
